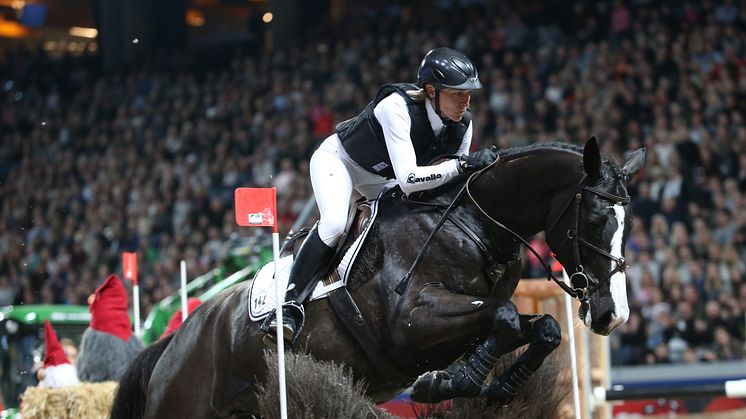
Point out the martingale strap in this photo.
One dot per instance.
(404, 283)
(494, 269)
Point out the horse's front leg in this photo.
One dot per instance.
(465, 377)
(545, 335)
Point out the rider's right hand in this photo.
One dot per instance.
(477, 161)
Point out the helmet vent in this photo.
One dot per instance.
(438, 74)
(463, 67)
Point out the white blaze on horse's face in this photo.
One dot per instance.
(618, 282)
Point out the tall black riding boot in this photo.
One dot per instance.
(312, 259)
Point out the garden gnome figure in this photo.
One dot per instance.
(57, 370)
(108, 345)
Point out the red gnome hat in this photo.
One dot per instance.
(57, 371)
(108, 306)
(53, 353)
(176, 320)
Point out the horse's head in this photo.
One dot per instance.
(591, 248)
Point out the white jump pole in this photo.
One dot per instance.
(136, 307)
(184, 311)
(279, 298)
(573, 353)
(587, 366)
(607, 377)
(730, 389)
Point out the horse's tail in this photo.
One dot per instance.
(129, 401)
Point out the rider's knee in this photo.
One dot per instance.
(547, 332)
(507, 320)
(331, 230)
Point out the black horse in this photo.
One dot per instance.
(453, 320)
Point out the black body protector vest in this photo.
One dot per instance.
(362, 136)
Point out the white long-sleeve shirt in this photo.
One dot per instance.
(393, 115)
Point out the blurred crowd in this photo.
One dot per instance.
(146, 160)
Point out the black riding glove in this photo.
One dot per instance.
(477, 161)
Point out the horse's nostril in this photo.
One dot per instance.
(603, 320)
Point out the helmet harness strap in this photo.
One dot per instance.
(436, 103)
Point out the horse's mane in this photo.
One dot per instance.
(531, 148)
(504, 154)
(608, 167)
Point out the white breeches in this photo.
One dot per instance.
(334, 177)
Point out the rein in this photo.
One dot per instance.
(580, 292)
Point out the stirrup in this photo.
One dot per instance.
(270, 323)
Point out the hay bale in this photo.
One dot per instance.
(87, 400)
(315, 389)
(318, 389)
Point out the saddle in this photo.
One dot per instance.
(262, 293)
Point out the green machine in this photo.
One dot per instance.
(241, 259)
(203, 288)
(22, 342)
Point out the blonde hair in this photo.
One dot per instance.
(418, 95)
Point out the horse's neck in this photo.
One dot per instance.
(522, 191)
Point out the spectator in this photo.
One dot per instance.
(632, 341)
(725, 348)
(7, 291)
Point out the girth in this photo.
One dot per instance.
(354, 321)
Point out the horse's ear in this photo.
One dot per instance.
(634, 164)
(592, 160)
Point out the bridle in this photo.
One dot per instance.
(580, 285)
(581, 288)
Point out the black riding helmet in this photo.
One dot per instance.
(446, 67)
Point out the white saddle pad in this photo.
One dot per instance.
(262, 294)
(262, 299)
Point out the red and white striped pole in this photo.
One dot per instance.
(129, 270)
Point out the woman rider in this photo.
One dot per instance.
(389, 143)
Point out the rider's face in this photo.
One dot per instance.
(453, 103)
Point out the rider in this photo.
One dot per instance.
(390, 142)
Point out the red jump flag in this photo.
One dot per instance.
(129, 266)
(256, 207)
